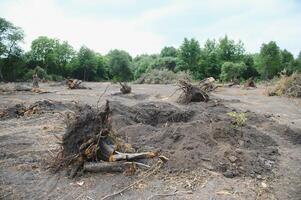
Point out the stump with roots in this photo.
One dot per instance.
(191, 93)
(35, 81)
(125, 88)
(250, 83)
(75, 84)
(207, 84)
(89, 138)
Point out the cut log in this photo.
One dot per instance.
(132, 156)
(107, 167)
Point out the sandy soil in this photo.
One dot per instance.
(28, 142)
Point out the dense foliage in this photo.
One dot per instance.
(223, 59)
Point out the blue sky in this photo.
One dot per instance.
(145, 26)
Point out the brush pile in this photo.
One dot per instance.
(75, 84)
(289, 86)
(192, 93)
(89, 145)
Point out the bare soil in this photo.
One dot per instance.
(210, 157)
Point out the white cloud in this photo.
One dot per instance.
(261, 21)
(46, 18)
(252, 21)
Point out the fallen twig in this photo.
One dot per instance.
(170, 194)
(101, 96)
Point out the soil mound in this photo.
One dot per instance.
(152, 113)
(199, 136)
(38, 107)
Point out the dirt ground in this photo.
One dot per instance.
(210, 158)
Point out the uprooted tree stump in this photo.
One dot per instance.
(125, 88)
(191, 93)
(250, 83)
(75, 84)
(89, 138)
(35, 81)
(207, 84)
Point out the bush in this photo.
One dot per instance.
(39, 71)
(232, 71)
(55, 77)
(164, 76)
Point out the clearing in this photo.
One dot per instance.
(209, 157)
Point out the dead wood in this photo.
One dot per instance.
(89, 138)
(76, 84)
(132, 156)
(149, 173)
(125, 88)
(250, 83)
(35, 81)
(207, 84)
(191, 93)
(233, 83)
(106, 167)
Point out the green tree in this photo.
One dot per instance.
(120, 65)
(10, 51)
(270, 63)
(287, 61)
(232, 71)
(230, 51)
(87, 63)
(51, 54)
(189, 54)
(169, 63)
(210, 64)
(63, 53)
(42, 53)
(169, 52)
(297, 66)
(142, 64)
(250, 71)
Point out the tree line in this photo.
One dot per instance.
(222, 59)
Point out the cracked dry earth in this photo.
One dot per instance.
(209, 158)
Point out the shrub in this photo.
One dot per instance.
(164, 76)
(39, 71)
(55, 77)
(232, 71)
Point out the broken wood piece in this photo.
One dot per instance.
(75, 84)
(132, 156)
(107, 167)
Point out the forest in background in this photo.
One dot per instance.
(223, 59)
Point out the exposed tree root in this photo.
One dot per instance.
(191, 93)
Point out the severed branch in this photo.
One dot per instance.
(132, 156)
(107, 167)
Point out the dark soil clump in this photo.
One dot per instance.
(38, 107)
(201, 135)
